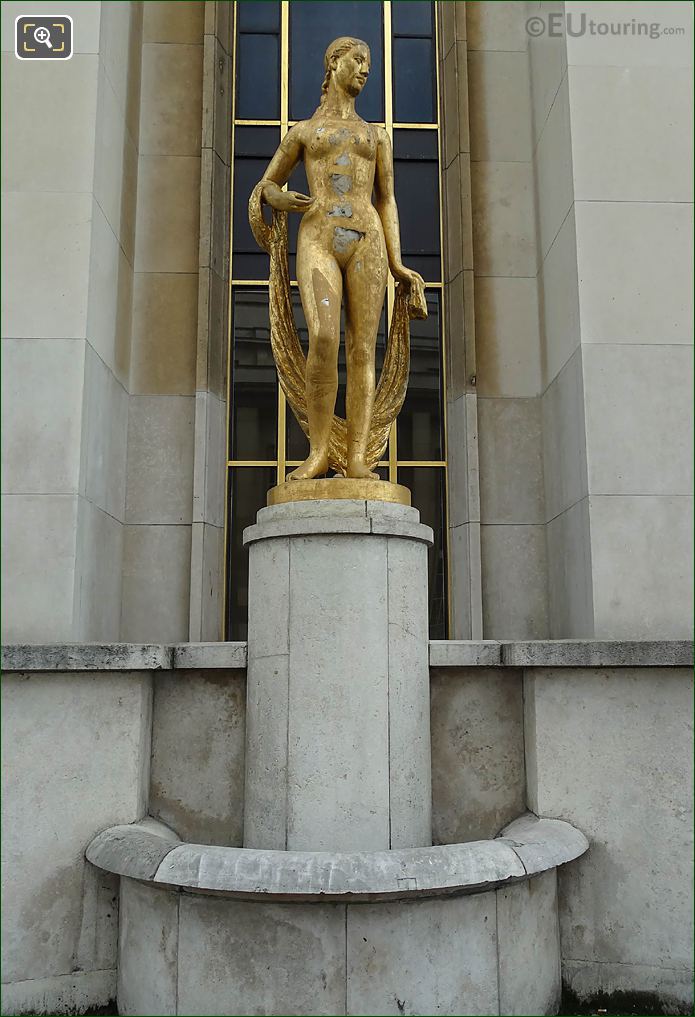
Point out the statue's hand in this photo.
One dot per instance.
(286, 201)
(407, 276)
(417, 303)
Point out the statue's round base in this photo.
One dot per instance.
(338, 489)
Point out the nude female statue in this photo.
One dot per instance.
(345, 245)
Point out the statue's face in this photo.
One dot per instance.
(352, 70)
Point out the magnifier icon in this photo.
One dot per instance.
(43, 36)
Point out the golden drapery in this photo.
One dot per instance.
(289, 356)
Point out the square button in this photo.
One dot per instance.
(43, 37)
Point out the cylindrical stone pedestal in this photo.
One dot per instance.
(338, 734)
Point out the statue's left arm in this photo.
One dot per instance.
(385, 204)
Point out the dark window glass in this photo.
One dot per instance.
(420, 421)
(413, 81)
(427, 485)
(412, 17)
(414, 144)
(248, 487)
(417, 197)
(253, 149)
(312, 27)
(258, 141)
(258, 77)
(260, 17)
(253, 417)
(297, 443)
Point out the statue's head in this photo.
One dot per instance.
(347, 62)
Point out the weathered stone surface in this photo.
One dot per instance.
(73, 993)
(542, 844)
(131, 850)
(75, 754)
(203, 656)
(528, 940)
(527, 847)
(598, 653)
(87, 657)
(147, 950)
(478, 774)
(199, 792)
(434, 957)
(338, 751)
(611, 751)
(240, 958)
(464, 653)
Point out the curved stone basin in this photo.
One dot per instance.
(457, 929)
(151, 852)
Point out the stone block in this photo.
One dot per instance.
(59, 157)
(104, 436)
(635, 265)
(98, 563)
(160, 460)
(565, 471)
(433, 957)
(41, 571)
(500, 115)
(180, 21)
(147, 977)
(553, 163)
(632, 775)
(570, 594)
(171, 90)
(510, 449)
(637, 408)
(42, 389)
(528, 938)
(168, 213)
(507, 337)
(164, 333)
(271, 958)
(503, 228)
(156, 583)
(629, 50)
(623, 147)
(515, 592)
(267, 712)
(59, 913)
(76, 992)
(47, 236)
(496, 26)
(478, 779)
(559, 302)
(199, 794)
(641, 548)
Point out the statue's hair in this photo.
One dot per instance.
(336, 49)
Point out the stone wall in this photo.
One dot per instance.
(69, 194)
(598, 734)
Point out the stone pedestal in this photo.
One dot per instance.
(338, 742)
(338, 903)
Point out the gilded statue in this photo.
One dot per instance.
(346, 246)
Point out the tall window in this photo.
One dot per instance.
(279, 51)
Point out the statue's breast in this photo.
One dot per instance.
(340, 141)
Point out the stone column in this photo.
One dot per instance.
(338, 740)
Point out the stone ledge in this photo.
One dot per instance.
(67, 657)
(87, 657)
(446, 653)
(558, 653)
(525, 848)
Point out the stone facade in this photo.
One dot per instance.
(567, 188)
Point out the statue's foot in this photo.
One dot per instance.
(358, 470)
(315, 466)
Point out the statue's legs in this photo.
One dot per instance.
(365, 286)
(320, 286)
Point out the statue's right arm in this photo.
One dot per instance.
(279, 169)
